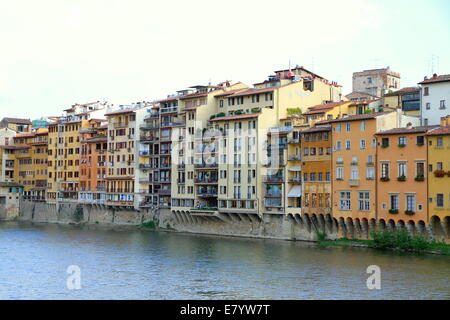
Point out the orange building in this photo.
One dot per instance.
(402, 182)
(316, 169)
(93, 162)
(353, 161)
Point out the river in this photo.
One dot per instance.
(135, 264)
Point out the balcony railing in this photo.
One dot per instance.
(353, 182)
(295, 180)
(206, 165)
(294, 158)
(149, 126)
(211, 180)
(207, 194)
(273, 179)
(164, 191)
(170, 109)
(120, 124)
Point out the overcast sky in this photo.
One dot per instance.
(55, 53)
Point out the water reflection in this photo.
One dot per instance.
(125, 264)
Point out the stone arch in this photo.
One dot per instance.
(306, 222)
(421, 227)
(436, 227)
(350, 227)
(411, 227)
(446, 226)
(382, 224)
(391, 225)
(365, 227)
(401, 224)
(342, 227)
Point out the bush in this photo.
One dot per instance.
(400, 239)
(321, 236)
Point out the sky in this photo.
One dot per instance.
(54, 53)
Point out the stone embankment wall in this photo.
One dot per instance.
(287, 227)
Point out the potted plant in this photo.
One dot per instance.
(439, 173)
(384, 179)
(409, 212)
(393, 211)
(420, 177)
(448, 173)
(401, 178)
(401, 145)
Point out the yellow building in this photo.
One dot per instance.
(408, 99)
(439, 177)
(64, 150)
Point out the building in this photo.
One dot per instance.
(64, 150)
(10, 194)
(438, 141)
(316, 169)
(93, 162)
(6, 140)
(402, 177)
(353, 162)
(375, 82)
(360, 96)
(123, 178)
(408, 99)
(16, 124)
(435, 99)
(327, 111)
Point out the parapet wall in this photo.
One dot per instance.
(271, 226)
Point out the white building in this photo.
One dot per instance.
(435, 99)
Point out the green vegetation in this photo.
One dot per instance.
(256, 110)
(292, 111)
(394, 240)
(368, 111)
(321, 236)
(151, 224)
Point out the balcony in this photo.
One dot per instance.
(181, 166)
(165, 166)
(273, 179)
(275, 146)
(144, 153)
(145, 181)
(149, 126)
(118, 125)
(164, 191)
(152, 114)
(295, 180)
(206, 181)
(294, 141)
(353, 183)
(272, 195)
(146, 139)
(172, 124)
(168, 110)
(145, 166)
(294, 158)
(207, 194)
(165, 180)
(206, 166)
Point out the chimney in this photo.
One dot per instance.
(434, 76)
(445, 121)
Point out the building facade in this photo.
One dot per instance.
(435, 99)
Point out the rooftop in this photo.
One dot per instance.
(436, 78)
(410, 130)
(237, 117)
(403, 91)
(17, 120)
(359, 117)
(439, 131)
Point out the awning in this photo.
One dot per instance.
(296, 169)
(295, 192)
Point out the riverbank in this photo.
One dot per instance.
(395, 241)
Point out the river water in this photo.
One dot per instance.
(124, 264)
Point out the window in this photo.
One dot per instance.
(362, 144)
(370, 159)
(384, 142)
(394, 201)
(428, 106)
(439, 166)
(364, 201)
(402, 141)
(370, 173)
(369, 80)
(439, 200)
(426, 91)
(439, 142)
(338, 145)
(442, 104)
(385, 170)
(411, 202)
(345, 203)
(347, 145)
(420, 140)
(402, 169)
(354, 174)
(420, 169)
(340, 173)
(363, 125)
(425, 122)
(347, 126)
(338, 127)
